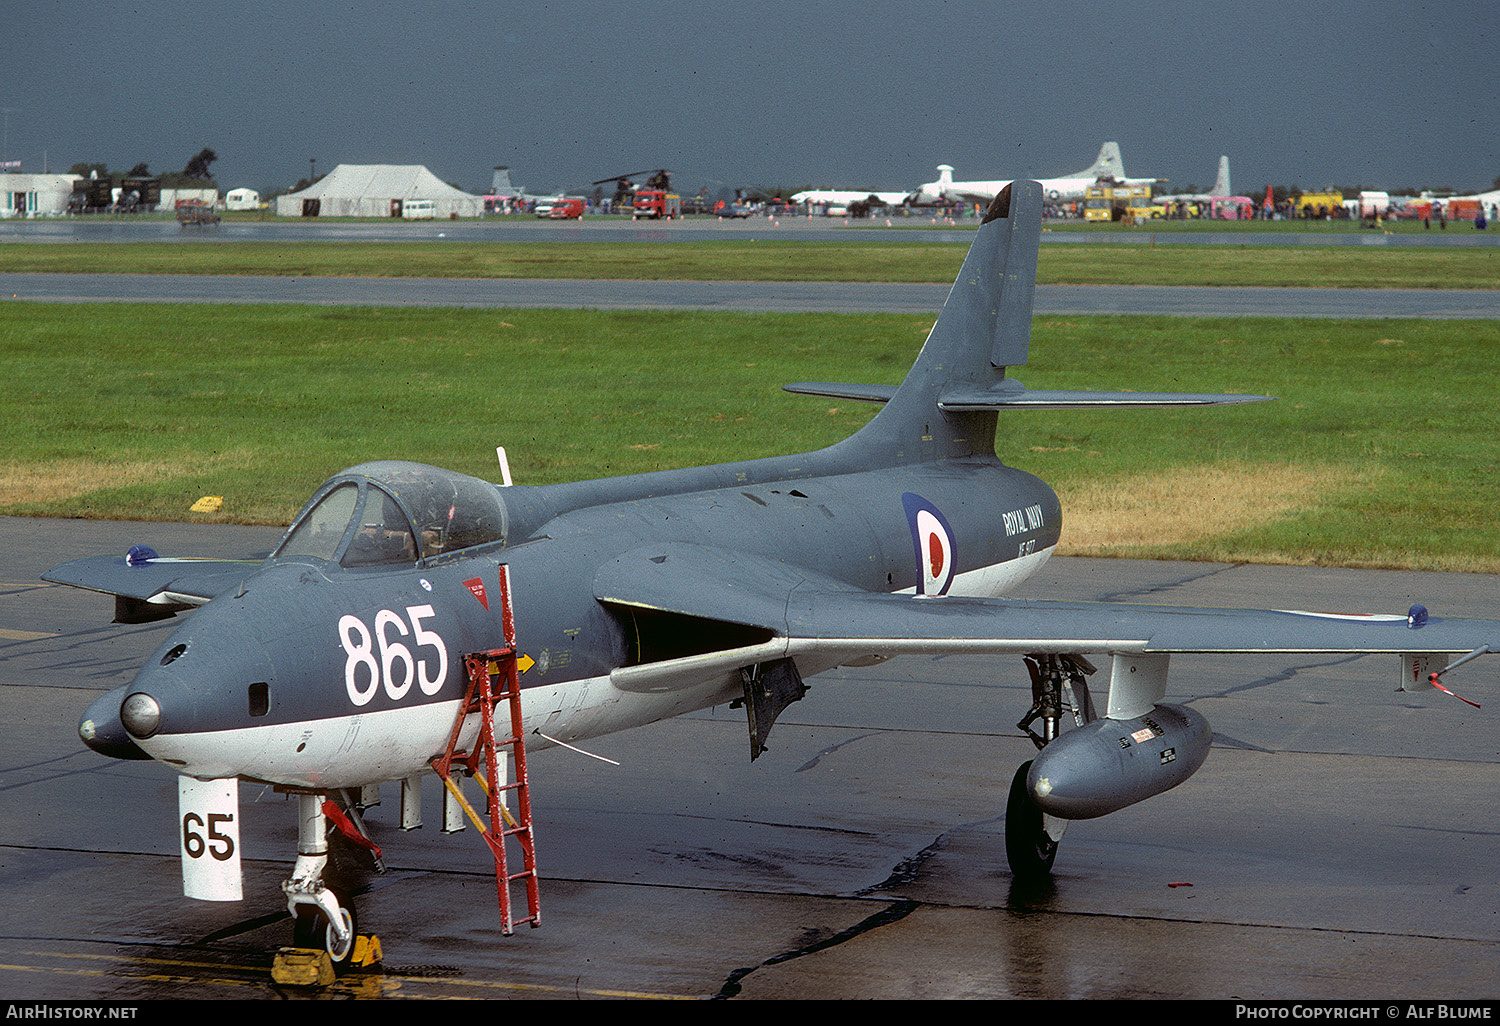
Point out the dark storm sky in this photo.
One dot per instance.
(855, 95)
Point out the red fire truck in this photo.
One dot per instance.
(656, 203)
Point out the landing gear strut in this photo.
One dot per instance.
(1057, 686)
(308, 899)
(324, 931)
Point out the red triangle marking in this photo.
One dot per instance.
(476, 585)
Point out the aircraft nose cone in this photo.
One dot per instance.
(102, 730)
(141, 715)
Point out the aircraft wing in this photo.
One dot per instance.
(710, 584)
(967, 193)
(804, 613)
(149, 587)
(904, 624)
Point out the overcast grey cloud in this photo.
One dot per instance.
(857, 95)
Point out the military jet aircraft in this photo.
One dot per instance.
(343, 660)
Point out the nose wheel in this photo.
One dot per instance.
(339, 936)
(314, 928)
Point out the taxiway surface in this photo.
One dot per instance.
(1340, 842)
(743, 297)
(789, 297)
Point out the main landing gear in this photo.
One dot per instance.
(1058, 685)
(1030, 844)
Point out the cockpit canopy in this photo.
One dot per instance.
(391, 512)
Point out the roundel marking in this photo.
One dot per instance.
(932, 545)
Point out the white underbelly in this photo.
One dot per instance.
(389, 744)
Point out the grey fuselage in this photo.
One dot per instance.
(276, 679)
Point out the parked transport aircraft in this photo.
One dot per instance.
(1066, 189)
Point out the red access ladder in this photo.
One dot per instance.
(495, 678)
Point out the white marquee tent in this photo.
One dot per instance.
(377, 190)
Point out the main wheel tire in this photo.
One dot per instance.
(1028, 847)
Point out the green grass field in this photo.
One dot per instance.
(1378, 451)
(862, 258)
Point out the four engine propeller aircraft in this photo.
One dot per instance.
(339, 662)
(1064, 189)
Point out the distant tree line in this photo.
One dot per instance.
(197, 174)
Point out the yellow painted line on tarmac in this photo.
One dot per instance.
(151, 977)
(50, 969)
(260, 976)
(148, 961)
(367, 984)
(6, 634)
(545, 988)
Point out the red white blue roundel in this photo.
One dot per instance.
(932, 542)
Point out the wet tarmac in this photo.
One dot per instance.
(1342, 840)
(750, 297)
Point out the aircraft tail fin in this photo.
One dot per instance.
(948, 404)
(984, 327)
(1109, 163)
(1221, 184)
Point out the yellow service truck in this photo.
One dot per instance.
(1110, 201)
(1317, 205)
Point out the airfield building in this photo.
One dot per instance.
(28, 195)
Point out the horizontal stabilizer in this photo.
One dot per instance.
(830, 390)
(1011, 394)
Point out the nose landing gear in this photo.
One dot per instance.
(324, 936)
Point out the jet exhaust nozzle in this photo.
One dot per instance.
(1106, 765)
